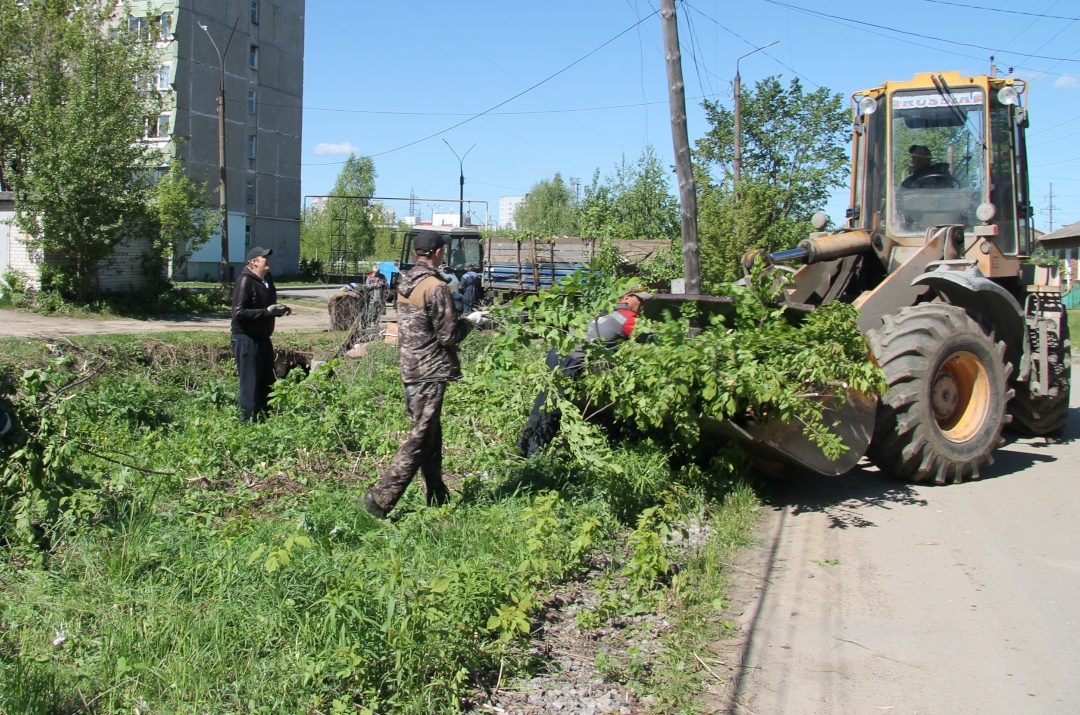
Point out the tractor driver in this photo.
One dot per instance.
(925, 174)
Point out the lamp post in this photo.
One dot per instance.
(223, 267)
(738, 113)
(461, 182)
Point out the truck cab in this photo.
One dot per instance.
(464, 247)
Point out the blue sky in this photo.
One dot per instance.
(392, 79)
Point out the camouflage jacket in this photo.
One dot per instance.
(429, 327)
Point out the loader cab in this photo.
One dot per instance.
(464, 247)
(940, 149)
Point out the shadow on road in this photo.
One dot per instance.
(843, 498)
(840, 498)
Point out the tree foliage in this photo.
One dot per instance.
(348, 221)
(81, 174)
(549, 209)
(794, 152)
(16, 53)
(179, 209)
(634, 202)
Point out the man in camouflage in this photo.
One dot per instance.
(429, 330)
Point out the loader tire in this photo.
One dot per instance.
(948, 384)
(1046, 415)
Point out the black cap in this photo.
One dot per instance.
(256, 251)
(919, 150)
(427, 241)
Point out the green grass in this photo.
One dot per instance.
(140, 304)
(189, 563)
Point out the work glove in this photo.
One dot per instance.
(477, 317)
(277, 310)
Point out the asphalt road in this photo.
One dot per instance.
(872, 596)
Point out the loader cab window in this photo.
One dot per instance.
(938, 149)
(1006, 187)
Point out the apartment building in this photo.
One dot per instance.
(262, 45)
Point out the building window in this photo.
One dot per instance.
(249, 191)
(247, 235)
(163, 76)
(251, 146)
(253, 57)
(166, 26)
(156, 127)
(139, 27)
(254, 12)
(251, 101)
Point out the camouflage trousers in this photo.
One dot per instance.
(421, 452)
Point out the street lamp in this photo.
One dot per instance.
(738, 111)
(461, 182)
(223, 268)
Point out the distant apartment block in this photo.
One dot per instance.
(508, 205)
(264, 82)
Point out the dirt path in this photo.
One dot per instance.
(307, 315)
(871, 596)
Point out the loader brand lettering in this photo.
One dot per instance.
(973, 98)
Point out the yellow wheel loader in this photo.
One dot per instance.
(936, 254)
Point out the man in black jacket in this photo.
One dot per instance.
(254, 310)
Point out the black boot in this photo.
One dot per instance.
(438, 495)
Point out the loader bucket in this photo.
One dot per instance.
(853, 421)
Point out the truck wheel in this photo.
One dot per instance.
(942, 416)
(1046, 415)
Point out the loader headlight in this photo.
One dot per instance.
(985, 212)
(867, 105)
(1008, 95)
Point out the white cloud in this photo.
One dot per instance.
(328, 149)
(1068, 81)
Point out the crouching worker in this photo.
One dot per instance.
(609, 329)
(429, 330)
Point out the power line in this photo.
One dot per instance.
(694, 49)
(997, 9)
(750, 44)
(1059, 124)
(523, 92)
(952, 41)
(1054, 141)
(397, 113)
(1063, 161)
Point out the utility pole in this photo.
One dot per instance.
(223, 266)
(1051, 206)
(461, 182)
(681, 142)
(737, 164)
